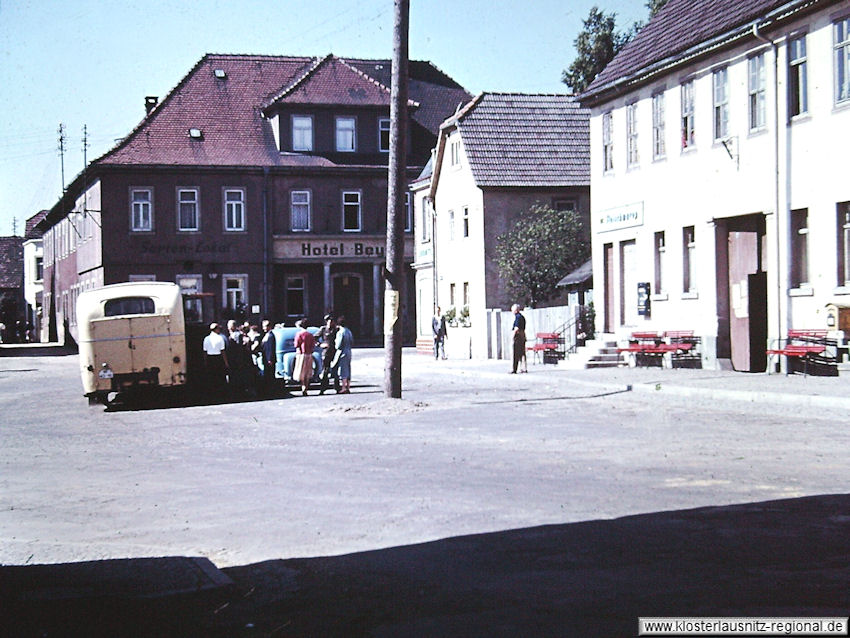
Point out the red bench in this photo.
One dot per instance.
(547, 343)
(677, 343)
(806, 345)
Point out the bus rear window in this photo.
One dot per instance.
(129, 306)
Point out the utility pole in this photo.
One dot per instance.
(394, 270)
(61, 149)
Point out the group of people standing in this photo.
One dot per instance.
(242, 361)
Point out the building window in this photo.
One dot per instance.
(844, 244)
(451, 225)
(841, 30)
(302, 133)
(452, 295)
(296, 296)
(799, 247)
(689, 282)
(299, 211)
(234, 209)
(454, 152)
(427, 217)
(187, 209)
(798, 89)
(607, 142)
(687, 96)
(408, 214)
(659, 148)
(466, 221)
(142, 278)
(756, 88)
(39, 268)
(721, 103)
(384, 135)
(141, 210)
(632, 134)
(466, 293)
(565, 206)
(235, 292)
(189, 285)
(351, 211)
(345, 134)
(660, 253)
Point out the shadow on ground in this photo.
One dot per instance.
(775, 558)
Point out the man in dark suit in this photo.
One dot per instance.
(268, 348)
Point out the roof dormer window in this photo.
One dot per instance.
(302, 133)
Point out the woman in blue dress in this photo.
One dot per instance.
(342, 359)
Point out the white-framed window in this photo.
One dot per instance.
(466, 293)
(660, 259)
(720, 84)
(296, 295)
(427, 218)
(302, 132)
(687, 99)
(39, 268)
(235, 291)
(465, 221)
(799, 247)
(454, 152)
(659, 146)
(756, 88)
(843, 210)
(452, 295)
(141, 209)
(632, 135)
(351, 209)
(798, 81)
(451, 225)
(187, 209)
(141, 277)
(234, 209)
(408, 214)
(191, 284)
(299, 211)
(384, 134)
(346, 129)
(689, 282)
(607, 141)
(841, 39)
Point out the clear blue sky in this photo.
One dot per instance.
(92, 63)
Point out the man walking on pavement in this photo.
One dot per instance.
(438, 325)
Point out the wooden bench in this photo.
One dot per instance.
(650, 348)
(547, 344)
(809, 348)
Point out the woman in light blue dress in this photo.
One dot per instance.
(342, 359)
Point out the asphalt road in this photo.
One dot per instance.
(469, 449)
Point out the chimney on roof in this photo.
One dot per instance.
(150, 103)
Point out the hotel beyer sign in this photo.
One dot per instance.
(322, 248)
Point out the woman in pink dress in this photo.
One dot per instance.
(305, 343)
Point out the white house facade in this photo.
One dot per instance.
(498, 156)
(716, 179)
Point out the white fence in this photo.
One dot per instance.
(500, 327)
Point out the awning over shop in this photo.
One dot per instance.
(580, 276)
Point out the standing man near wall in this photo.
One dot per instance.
(438, 326)
(518, 338)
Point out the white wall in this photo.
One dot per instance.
(695, 186)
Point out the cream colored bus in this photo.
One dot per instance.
(131, 337)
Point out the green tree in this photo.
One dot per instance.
(654, 6)
(596, 45)
(536, 253)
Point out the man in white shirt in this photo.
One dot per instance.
(215, 358)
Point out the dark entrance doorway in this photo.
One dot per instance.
(348, 300)
(742, 292)
(608, 288)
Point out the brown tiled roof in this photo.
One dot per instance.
(516, 139)
(332, 81)
(228, 111)
(679, 27)
(31, 231)
(11, 262)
